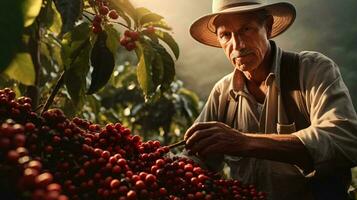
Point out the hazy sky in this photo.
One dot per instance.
(327, 26)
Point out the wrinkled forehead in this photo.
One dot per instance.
(235, 19)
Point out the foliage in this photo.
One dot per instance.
(168, 113)
(13, 20)
(105, 60)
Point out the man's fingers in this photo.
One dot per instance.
(199, 135)
(210, 149)
(199, 126)
(203, 143)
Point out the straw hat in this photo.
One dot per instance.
(203, 29)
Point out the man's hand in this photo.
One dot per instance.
(207, 138)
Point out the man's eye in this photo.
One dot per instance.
(245, 29)
(225, 35)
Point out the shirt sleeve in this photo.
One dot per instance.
(332, 137)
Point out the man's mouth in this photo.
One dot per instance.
(240, 54)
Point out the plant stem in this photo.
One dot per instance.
(89, 12)
(58, 85)
(89, 19)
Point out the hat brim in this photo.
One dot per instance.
(284, 15)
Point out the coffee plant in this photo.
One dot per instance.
(50, 156)
(103, 60)
(81, 39)
(106, 61)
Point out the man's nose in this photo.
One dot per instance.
(237, 42)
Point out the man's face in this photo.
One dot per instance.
(244, 39)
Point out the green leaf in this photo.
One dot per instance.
(70, 10)
(189, 104)
(151, 35)
(140, 13)
(72, 41)
(158, 69)
(75, 76)
(52, 18)
(116, 6)
(125, 6)
(22, 69)
(158, 24)
(168, 64)
(150, 17)
(112, 39)
(31, 9)
(169, 40)
(144, 52)
(12, 23)
(102, 60)
(125, 17)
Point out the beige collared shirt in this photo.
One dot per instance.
(332, 134)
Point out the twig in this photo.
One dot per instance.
(177, 144)
(89, 12)
(50, 99)
(124, 25)
(89, 19)
(38, 107)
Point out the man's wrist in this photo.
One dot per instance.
(282, 148)
(244, 147)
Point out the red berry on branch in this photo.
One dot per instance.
(121, 162)
(150, 178)
(97, 29)
(163, 191)
(44, 179)
(34, 164)
(103, 10)
(134, 35)
(113, 14)
(114, 183)
(13, 156)
(97, 19)
(124, 41)
(130, 46)
(140, 185)
(131, 195)
(105, 154)
(127, 33)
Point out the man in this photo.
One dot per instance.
(293, 143)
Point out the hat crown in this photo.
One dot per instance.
(219, 5)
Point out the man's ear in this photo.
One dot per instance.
(269, 25)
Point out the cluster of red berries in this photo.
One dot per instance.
(103, 13)
(82, 160)
(128, 40)
(23, 172)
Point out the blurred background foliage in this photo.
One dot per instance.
(74, 55)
